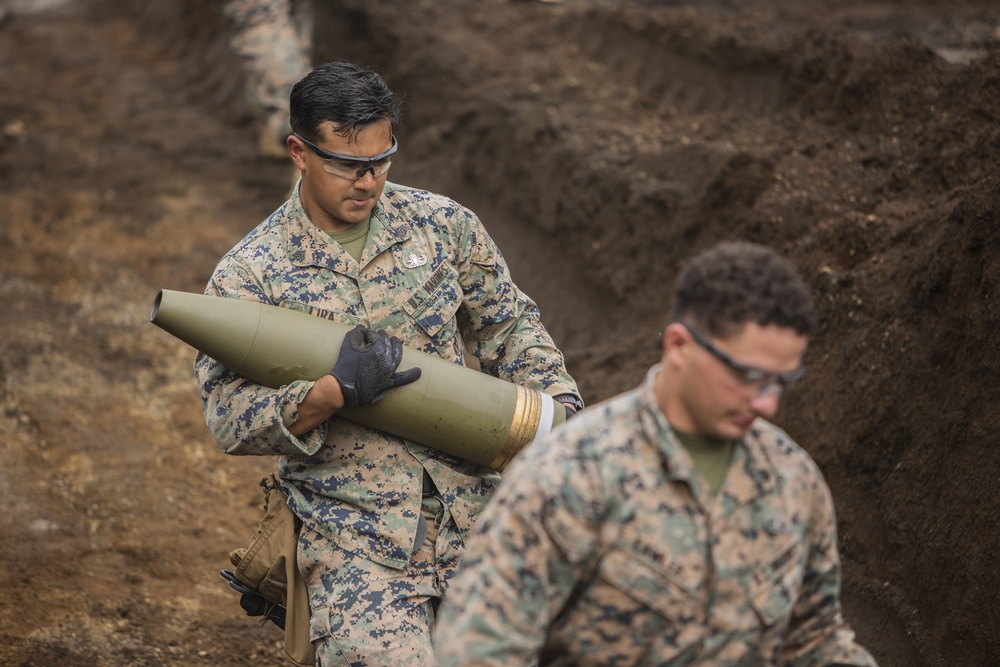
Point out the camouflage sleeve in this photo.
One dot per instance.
(501, 322)
(245, 417)
(533, 544)
(818, 635)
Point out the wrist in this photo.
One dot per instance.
(571, 401)
(319, 403)
(329, 393)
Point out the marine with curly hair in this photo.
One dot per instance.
(671, 525)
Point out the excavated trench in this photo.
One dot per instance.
(602, 143)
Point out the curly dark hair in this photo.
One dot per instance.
(735, 283)
(350, 97)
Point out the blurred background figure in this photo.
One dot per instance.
(273, 38)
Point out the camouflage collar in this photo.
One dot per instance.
(751, 472)
(308, 245)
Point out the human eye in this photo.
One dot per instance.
(794, 376)
(755, 376)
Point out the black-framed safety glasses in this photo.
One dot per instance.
(765, 381)
(351, 166)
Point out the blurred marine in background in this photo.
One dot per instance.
(671, 525)
(273, 39)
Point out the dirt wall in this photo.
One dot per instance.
(602, 143)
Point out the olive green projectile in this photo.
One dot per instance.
(451, 408)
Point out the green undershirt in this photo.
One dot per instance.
(353, 240)
(711, 456)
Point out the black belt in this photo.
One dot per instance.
(429, 489)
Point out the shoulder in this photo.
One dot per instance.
(792, 465)
(600, 444)
(265, 239)
(578, 482)
(422, 206)
(610, 429)
(261, 251)
(780, 448)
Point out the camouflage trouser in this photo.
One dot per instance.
(273, 38)
(368, 615)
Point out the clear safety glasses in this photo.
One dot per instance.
(352, 167)
(765, 382)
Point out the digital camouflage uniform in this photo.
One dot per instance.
(431, 276)
(605, 547)
(273, 39)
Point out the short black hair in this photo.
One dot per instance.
(350, 97)
(735, 283)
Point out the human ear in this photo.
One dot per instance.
(297, 150)
(676, 344)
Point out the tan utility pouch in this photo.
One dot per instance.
(268, 566)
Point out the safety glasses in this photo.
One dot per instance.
(352, 167)
(765, 382)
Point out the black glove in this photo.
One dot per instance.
(367, 366)
(572, 403)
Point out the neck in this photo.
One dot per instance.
(668, 399)
(318, 216)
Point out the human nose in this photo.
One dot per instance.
(765, 403)
(366, 179)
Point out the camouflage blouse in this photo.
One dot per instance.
(604, 547)
(430, 275)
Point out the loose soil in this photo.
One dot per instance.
(602, 143)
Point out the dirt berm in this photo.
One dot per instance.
(602, 143)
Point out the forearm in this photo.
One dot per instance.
(245, 418)
(818, 633)
(320, 403)
(518, 349)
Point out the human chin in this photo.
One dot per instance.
(356, 210)
(734, 427)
